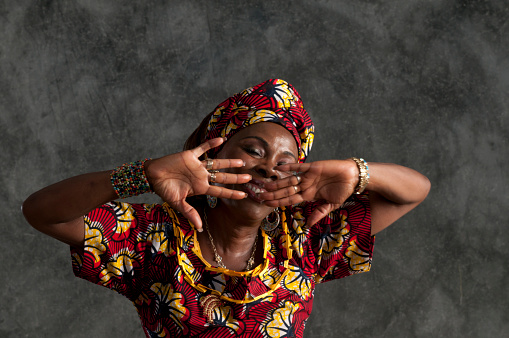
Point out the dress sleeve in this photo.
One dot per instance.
(119, 241)
(339, 245)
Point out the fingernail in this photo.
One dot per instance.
(243, 163)
(199, 229)
(245, 195)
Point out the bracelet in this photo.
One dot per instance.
(363, 174)
(130, 180)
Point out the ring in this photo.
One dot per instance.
(298, 178)
(212, 177)
(209, 165)
(296, 189)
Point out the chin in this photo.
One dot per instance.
(248, 208)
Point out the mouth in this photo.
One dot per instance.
(253, 188)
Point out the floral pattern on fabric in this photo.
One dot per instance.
(279, 322)
(169, 303)
(155, 263)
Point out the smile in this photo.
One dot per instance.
(254, 188)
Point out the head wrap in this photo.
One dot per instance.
(271, 101)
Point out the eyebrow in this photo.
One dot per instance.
(266, 144)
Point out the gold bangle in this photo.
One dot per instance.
(363, 174)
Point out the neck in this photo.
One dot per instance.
(233, 235)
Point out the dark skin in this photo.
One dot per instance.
(263, 156)
(235, 223)
(270, 154)
(57, 210)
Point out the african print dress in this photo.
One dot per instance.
(150, 254)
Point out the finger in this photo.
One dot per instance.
(319, 213)
(291, 200)
(315, 216)
(222, 192)
(224, 164)
(283, 183)
(280, 193)
(206, 146)
(227, 178)
(298, 167)
(190, 213)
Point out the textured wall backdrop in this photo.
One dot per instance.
(88, 85)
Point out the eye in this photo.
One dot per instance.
(252, 151)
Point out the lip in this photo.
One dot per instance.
(253, 188)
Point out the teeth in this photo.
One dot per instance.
(254, 188)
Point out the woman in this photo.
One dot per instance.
(274, 225)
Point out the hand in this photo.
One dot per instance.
(330, 181)
(177, 176)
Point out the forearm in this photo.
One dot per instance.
(68, 200)
(398, 184)
(394, 191)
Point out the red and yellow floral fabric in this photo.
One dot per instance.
(150, 254)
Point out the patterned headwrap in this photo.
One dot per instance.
(271, 101)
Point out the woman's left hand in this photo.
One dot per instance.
(331, 181)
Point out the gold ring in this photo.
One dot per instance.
(209, 165)
(212, 177)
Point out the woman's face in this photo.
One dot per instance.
(262, 146)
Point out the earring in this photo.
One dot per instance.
(267, 225)
(212, 201)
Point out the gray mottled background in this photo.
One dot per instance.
(88, 85)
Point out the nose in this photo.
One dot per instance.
(266, 170)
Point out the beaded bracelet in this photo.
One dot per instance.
(130, 180)
(363, 174)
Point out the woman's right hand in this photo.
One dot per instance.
(177, 176)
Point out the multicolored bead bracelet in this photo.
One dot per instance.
(130, 180)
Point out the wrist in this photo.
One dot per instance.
(363, 174)
(130, 179)
(149, 172)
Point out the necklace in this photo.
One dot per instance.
(218, 258)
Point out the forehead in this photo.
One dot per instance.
(273, 133)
